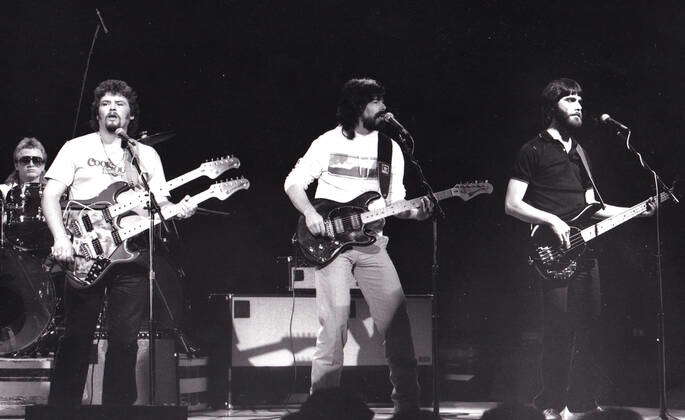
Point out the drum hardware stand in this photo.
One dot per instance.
(661, 330)
(407, 144)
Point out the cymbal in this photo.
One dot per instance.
(153, 139)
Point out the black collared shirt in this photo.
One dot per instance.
(556, 180)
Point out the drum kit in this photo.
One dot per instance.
(30, 287)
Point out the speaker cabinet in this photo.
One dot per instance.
(273, 337)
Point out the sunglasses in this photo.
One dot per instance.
(37, 160)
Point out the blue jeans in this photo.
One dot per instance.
(377, 278)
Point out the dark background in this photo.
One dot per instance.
(260, 80)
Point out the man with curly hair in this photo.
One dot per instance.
(345, 162)
(86, 166)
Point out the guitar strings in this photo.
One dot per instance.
(345, 219)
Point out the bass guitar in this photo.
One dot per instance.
(352, 224)
(553, 262)
(97, 251)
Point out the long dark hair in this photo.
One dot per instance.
(354, 96)
(116, 87)
(555, 90)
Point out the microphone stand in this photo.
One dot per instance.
(2, 221)
(661, 330)
(152, 207)
(407, 144)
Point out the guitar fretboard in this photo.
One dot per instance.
(614, 221)
(168, 212)
(140, 197)
(401, 206)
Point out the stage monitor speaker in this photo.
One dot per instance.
(104, 412)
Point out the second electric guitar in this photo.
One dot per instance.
(351, 224)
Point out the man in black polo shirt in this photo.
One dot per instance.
(548, 185)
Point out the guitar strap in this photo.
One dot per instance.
(583, 159)
(384, 163)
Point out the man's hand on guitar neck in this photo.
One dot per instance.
(651, 209)
(185, 208)
(422, 212)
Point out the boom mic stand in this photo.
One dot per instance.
(407, 143)
(661, 330)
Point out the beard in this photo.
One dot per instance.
(566, 122)
(370, 123)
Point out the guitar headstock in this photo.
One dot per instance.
(223, 190)
(468, 190)
(216, 167)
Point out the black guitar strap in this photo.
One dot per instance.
(583, 159)
(384, 163)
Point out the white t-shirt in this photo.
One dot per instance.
(83, 165)
(347, 168)
(5, 188)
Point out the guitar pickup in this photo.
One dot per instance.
(83, 249)
(97, 246)
(75, 229)
(116, 237)
(356, 222)
(107, 215)
(338, 225)
(87, 223)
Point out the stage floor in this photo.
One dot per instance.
(448, 410)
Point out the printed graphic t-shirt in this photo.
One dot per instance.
(347, 168)
(83, 165)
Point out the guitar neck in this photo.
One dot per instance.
(606, 225)
(183, 179)
(168, 212)
(126, 205)
(401, 206)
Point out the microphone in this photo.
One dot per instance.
(102, 21)
(125, 139)
(389, 119)
(606, 119)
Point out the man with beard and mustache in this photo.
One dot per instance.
(549, 185)
(86, 166)
(345, 161)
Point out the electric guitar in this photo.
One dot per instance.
(96, 251)
(553, 262)
(352, 224)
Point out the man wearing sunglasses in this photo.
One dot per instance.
(29, 164)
